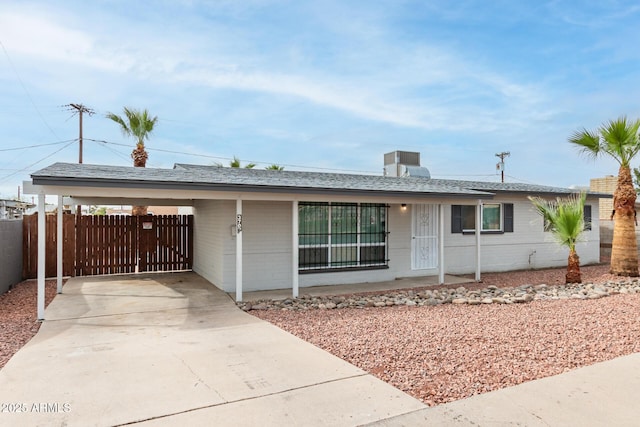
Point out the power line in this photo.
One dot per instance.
(521, 180)
(227, 158)
(26, 91)
(4, 178)
(36, 146)
(118, 153)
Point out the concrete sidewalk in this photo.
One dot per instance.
(604, 394)
(171, 349)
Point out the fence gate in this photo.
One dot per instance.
(98, 244)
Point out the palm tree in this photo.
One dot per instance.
(619, 140)
(138, 124)
(565, 219)
(235, 163)
(275, 167)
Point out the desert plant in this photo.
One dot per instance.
(564, 218)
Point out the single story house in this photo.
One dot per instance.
(13, 209)
(266, 229)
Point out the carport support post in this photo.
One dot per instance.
(295, 251)
(239, 250)
(478, 230)
(59, 248)
(42, 236)
(441, 244)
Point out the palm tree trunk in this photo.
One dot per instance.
(573, 268)
(139, 156)
(139, 210)
(624, 248)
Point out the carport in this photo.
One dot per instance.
(132, 193)
(82, 184)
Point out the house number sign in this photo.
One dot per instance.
(238, 223)
(147, 225)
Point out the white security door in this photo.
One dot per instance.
(424, 237)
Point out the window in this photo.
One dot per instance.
(491, 217)
(341, 235)
(495, 218)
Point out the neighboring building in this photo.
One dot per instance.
(262, 229)
(13, 209)
(152, 210)
(606, 185)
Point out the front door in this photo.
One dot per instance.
(424, 237)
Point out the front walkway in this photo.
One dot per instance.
(171, 349)
(317, 291)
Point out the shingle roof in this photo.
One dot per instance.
(194, 177)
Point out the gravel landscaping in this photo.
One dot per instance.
(18, 316)
(441, 352)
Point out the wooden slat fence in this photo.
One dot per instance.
(30, 245)
(113, 244)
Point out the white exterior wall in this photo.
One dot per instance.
(266, 228)
(212, 229)
(528, 247)
(267, 247)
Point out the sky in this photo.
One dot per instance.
(319, 85)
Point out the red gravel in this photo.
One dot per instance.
(448, 352)
(18, 316)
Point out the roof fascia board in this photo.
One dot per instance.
(89, 194)
(155, 185)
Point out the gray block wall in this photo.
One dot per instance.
(10, 253)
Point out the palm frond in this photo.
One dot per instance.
(123, 125)
(588, 143)
(136, 123)
(565, 217)
(617, 138)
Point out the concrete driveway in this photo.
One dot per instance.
(171, 349)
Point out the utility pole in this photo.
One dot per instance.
(500, 166)
(79, 110)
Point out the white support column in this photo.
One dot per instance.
(478, 246)
(441, 244)
(294, 249)
(59, 248)
(42, 237)
(239, 250)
